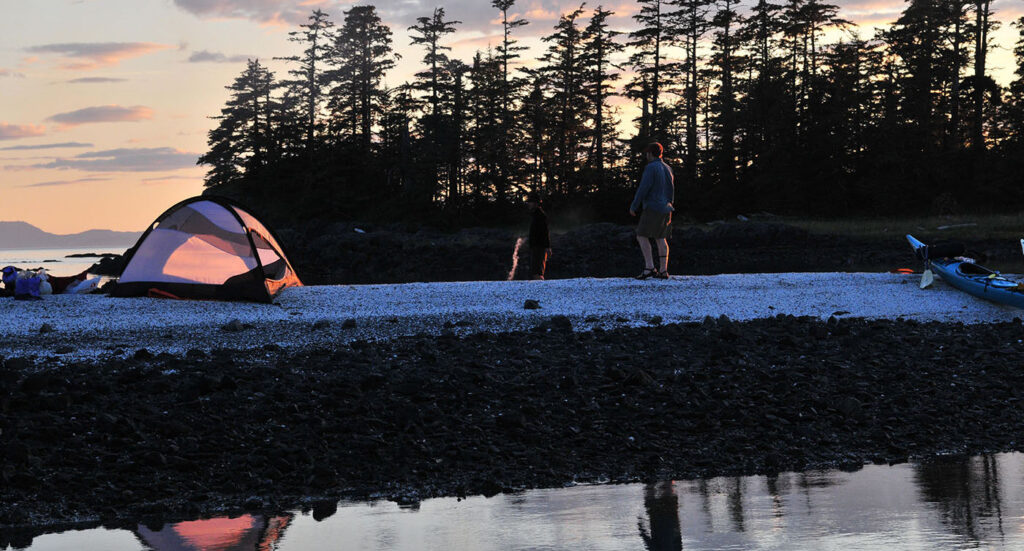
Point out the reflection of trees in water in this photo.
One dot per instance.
(735, 485)
(662, 506)
(965, 491)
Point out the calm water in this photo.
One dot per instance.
(54, 260)
(965, 503)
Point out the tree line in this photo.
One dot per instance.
(780, 107)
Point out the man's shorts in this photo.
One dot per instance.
(656, 225)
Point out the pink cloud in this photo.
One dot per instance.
(92, 55)
(102, 113)
(266, 12)
(16, 131)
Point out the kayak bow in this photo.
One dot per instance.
(971, 278)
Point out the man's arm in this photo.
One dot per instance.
(646, 181)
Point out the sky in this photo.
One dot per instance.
(105, 105)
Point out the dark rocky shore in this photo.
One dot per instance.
(339, 254)
(165, 438)
(358, 253)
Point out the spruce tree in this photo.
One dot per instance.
(308, 83)
(241, 141)
(565, 73)
(361, 56)
(436, 84)
(599, 46)
(650, 43)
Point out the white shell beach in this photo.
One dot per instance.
(94, 325)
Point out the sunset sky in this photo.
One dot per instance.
(104, 104)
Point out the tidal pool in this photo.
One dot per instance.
(952, 503)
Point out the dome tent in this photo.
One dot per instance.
(207, 247)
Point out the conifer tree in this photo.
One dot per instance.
(599, 46)
(436, 83)
(725, 61)
(565, 75)
(241, 141)
(308, 84)
(692, 24)
(361, 55)
(509, 136)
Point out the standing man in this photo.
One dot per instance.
(654, 196)
(540, 237)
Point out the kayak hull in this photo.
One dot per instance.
(971, 278)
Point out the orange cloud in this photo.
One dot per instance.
(93, 55)
(16, 131)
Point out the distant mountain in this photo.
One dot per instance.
(22, 235)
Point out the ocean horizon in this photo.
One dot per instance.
(54, 260)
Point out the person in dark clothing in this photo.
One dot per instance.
(540, 237)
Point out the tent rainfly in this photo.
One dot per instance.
(207, 247)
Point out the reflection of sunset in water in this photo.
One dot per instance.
(947, 503)
(244, 533)
(215, 533)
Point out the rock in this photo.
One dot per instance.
(64, 349)
(46, 328)
(560, 323)
(17, 364)
(655, 320)
(348, 324)
(233, 326)
(321, 324)
(142, 354)
(531, 304)
(848, 406)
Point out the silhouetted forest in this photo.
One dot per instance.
(785, 108)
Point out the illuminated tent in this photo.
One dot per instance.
(207, 248)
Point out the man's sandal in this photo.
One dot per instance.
(647, 273)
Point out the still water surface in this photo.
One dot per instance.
(962, 503)
(54, 260)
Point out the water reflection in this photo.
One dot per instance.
(966, 493)
(243, 533)
(959, 503)
(662, 532)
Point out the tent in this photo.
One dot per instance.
(207, 247)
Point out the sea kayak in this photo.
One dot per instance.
(969, 277)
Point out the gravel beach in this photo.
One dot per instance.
(91, 326)
(169, 410)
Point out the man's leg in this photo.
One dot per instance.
(538, 263)
(662, 254)
(645, 247)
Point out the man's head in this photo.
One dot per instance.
(533, 200)
(653, 151)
